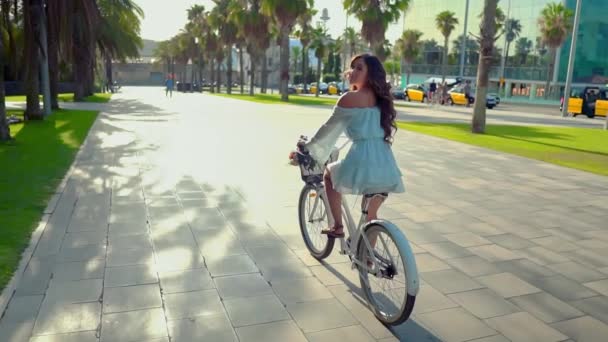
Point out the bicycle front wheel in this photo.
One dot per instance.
(385, 288)
(313, 218)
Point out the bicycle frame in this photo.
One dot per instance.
(354, 231)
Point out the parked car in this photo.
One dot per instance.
(322, 88)
(415, 92)
(589, 101)
(398, 93)
(291, 89)
(496, 98)
(456, 96)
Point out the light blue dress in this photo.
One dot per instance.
(369, 166)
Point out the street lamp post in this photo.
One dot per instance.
(577, 16)
(463, 44)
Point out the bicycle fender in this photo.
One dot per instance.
(413, 283)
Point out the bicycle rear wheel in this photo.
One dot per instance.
(386, 291)
(313, 218)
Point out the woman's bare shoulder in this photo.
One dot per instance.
(356, 99)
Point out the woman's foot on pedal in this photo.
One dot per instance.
(335, 232)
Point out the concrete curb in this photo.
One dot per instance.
(26, 256)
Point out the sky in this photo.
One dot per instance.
(164, 19)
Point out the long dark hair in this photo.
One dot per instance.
(376, 81)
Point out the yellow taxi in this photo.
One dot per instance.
(332, 89)
(456, 96)
(590, 101)
(415, 92)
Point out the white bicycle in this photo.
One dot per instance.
(377, 249)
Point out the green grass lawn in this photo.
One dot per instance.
(67, 97)
(579, 148)
(293, 99)
(33, 165)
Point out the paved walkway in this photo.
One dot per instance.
(178, 223)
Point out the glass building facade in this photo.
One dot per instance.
(528, 59)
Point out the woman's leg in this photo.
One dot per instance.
(335, 202)
(372, 214)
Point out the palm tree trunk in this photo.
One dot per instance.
(318, 77)
(488, 29)
(304, 67)
(32, 19)
(212, 74)
(409, 72)
(219, 76)
(5, 132)
(264, 73)
(13, 63)
(445, 59)
(53, 47)
(252, 75)
(109, 78)
(284, 60)
(229, 71)
(201, 66)
(550, 72)
(241, 73)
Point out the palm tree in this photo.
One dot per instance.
(253, 26)
(486, 39)
(10, 28)
(32, 10)
(471, 49)
(319, 43)
(296, 51)
(375, 18)
(512, 31)
(285, 13)
(227, 33)
(541, 49)
(555, 23)
(5, 132)
(523, 46)
(305, 36)
(118, 35)
(411, 46)
(352, 38)
(445, 21)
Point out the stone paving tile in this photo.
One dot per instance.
(451, 281)
(263, 255)
(543, 256)
(130, 298)
(79, 239)
(127, 228)
(126, 257)
(494, 253)
(36, 277)
(321, 315)
(507, 285)
(525, 269)
(555, 244)
(83, 336)
(467, 239)
(522, 326)
(129, 241)
(577, 272)
(92, 269)
(245, 285)
(185, 280)
(130, 275)
(286, 270)
(483, 303)
(141, 325)
(446, 250)
(192, 304)
(22, 309)
(473, 266)
(563, 288)
(209, 328)
(246, 311)
(183, 257)
(300, 290)
(428, 263)
(600, 286)
(583, 329)
(510, 241)
(15, 331)
(546, 307)
(83, 253)
(455, 325)
(276, 331)
(354, 333)
(231, 265)
(495, 338)
(429, 299)
(589, 258)
(594, 306)
(56, 318)
(76, 291)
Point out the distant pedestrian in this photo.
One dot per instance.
(467, 92)
(432, 91)
(444, 93)
(169, 86)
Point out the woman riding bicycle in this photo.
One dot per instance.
(367, 114)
